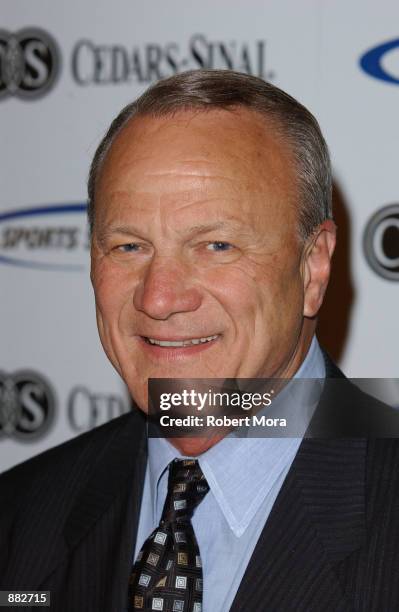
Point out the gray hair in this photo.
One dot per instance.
(226, 89)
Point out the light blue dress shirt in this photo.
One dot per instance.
(245, 476)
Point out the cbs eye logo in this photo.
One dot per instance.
(381, 242)
(29, 63)
(27, 405)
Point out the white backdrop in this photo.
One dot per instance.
(55, 381)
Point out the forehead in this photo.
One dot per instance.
(191, 154)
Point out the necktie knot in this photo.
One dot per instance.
(187, 487)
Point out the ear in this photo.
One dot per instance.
(317, 266)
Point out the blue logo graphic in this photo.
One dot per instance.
(45, 238)
(371, 61)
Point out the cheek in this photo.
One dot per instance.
(239, 293)
(112, 288)
(283, 306)
(263, 301)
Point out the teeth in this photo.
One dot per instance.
(176, 343)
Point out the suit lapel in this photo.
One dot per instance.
(318, 519)
(102, 527)
(119, 469)
(89, 555)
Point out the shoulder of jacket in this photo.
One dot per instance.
(50, 464)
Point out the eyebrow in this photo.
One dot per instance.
(108, 231)
(204, 228)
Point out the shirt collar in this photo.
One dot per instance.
(240, 471)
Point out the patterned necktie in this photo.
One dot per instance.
(167, 574)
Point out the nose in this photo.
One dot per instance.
(166, 288)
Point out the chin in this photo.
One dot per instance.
(193, 447)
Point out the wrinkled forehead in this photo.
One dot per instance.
(233, 158)
(237, 135)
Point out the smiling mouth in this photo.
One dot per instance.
(179, 343)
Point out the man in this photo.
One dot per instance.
(212, 238)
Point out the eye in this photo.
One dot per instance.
(219, 246)
(131, 247)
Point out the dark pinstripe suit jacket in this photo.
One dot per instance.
(68, 520)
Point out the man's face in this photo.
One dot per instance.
(196, 263)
